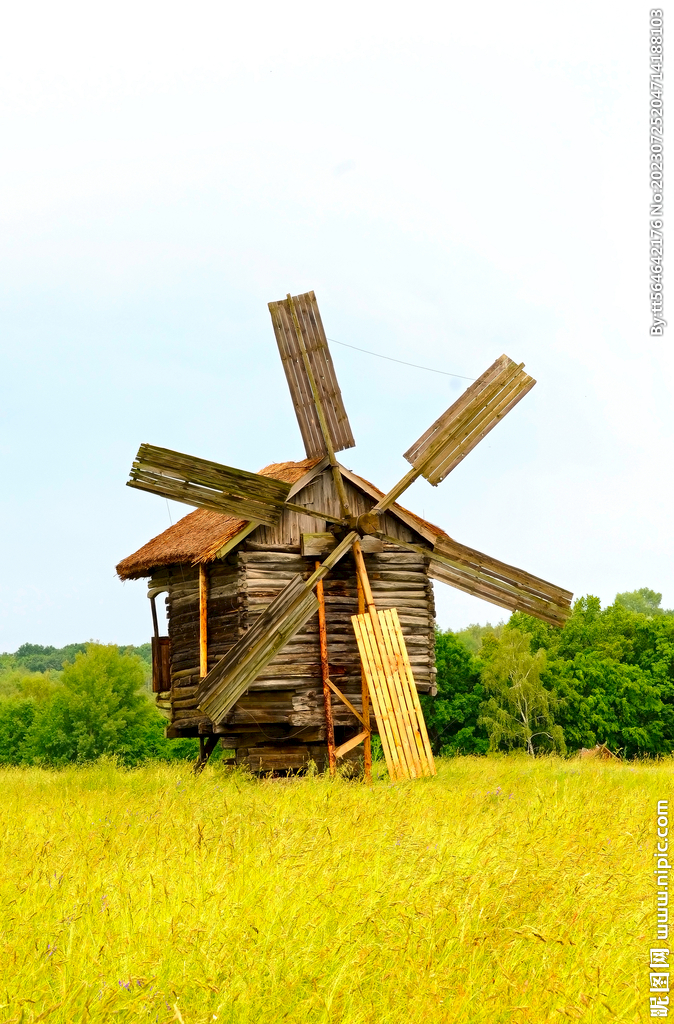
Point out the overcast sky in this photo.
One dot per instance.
(454, 181)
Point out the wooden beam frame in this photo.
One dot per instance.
(325, 674)
(365, 698)
(203, 621)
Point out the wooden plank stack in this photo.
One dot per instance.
(393, 692)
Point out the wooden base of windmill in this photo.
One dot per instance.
(277, 755)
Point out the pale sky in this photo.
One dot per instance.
(454, 181)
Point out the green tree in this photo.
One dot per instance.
(16, 718)
(472, 636)
(451, 716)
(645, 601)
(613, 670)
(36, 658)
(519, 709)
(99, 708)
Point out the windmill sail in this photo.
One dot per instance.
(316, 347)
(469, 419)
(208, 484)
(502, 584)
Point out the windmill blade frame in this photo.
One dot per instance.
(492, 580)
(446, 443)
(204, 484)
(297, 324)
(486, 401)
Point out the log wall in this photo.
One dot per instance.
(281, 717)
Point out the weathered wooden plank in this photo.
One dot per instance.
(471, 558)
(501, 378)
(498, 582)
(316, 346)
(461, 442)
(161, 664)
(315, 544)
(207, 484)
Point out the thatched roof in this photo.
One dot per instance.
(200, 535)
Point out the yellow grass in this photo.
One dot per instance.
(504, 890)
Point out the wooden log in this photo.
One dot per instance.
(365, 700)
(325, 674)
(203, 620)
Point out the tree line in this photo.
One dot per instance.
(74, 704)
(606, 677)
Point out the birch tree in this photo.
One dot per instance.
(519, 711)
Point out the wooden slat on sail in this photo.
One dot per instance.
(395, 700)
(208, 484)
(502, 584)
(486, 577)
(469, 419)
(316, 346)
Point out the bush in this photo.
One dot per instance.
(451, 716)
(16, 718)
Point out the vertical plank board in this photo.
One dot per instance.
(405, 712)
(394, 695)
(325, 675)
(380, 711)
(416, 714)
(365, 698)
(380, 686)
(203, 621)
(161, 664)
(393, 682)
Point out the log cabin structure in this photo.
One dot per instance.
(216, 575)
(299, 599)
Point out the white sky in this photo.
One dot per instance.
(454, 181)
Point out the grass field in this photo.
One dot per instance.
(504, 890)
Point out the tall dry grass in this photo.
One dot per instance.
(504, 890)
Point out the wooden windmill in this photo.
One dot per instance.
(260, 500)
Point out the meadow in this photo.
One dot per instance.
(506, 889)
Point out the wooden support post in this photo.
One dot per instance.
(364, 582)
(367, 742)
(207, 745)
(325, 673)
(203, 621)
